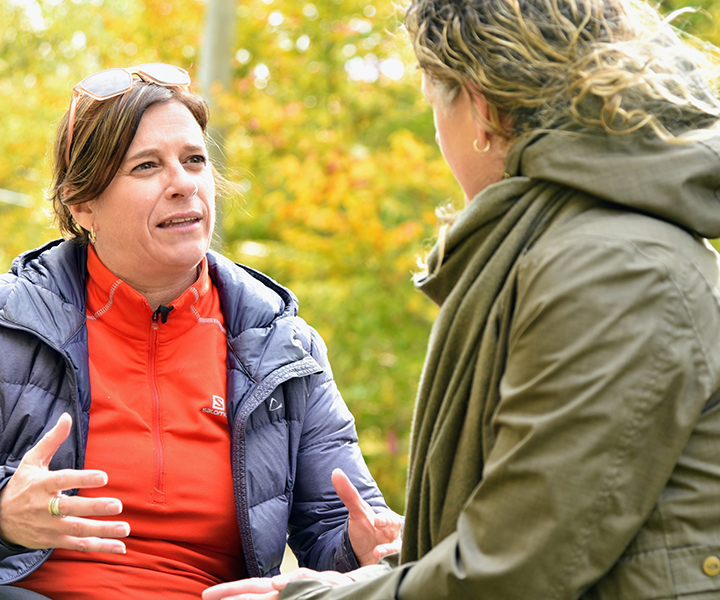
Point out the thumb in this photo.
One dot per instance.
(42, 453)
(349, 494)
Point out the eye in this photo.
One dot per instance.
(196, 161)
(144, 166)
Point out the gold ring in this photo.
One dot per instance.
(53, 507)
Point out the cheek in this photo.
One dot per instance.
(445, 136)
(208, 191)
(439, 128)
(209, 202)
(131, 219)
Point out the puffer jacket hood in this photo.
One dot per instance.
(678, 182)
(40, 277)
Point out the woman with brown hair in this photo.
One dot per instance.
(567, 427)
(167, 421)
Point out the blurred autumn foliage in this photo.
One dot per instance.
(328, 143)
(327, 140)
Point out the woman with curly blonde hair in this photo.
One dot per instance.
(567, 425)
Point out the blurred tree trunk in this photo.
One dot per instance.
(215, 74)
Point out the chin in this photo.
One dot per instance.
(188, 257)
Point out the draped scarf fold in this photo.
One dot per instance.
(471, 278)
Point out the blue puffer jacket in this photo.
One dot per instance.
(282, 457)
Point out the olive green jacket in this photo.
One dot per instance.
(597, 469)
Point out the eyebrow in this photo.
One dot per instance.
(154, 151)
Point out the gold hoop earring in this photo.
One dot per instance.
(91, 236)
(484, 150)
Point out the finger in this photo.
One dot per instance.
(351, 498)
(332, 577)
(254, 596)
(92, 544)
(41, 454)
(383, 550)
(256, 585)
(74, 527)
(78, 506)
(70, 479)
(391, 524)
(388, 519)
(87, 535)
(387, 527)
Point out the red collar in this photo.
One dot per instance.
(117, 305)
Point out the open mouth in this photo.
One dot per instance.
(179, 222)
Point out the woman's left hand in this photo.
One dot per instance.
(265, 588)
(372, 535)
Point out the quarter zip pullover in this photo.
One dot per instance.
(158, 427)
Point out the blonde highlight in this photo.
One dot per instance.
(612, 65)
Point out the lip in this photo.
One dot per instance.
(180, 221)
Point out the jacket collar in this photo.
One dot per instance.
(261, 316)
(119, 306)
(45, 293)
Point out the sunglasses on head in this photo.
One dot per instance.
(115, 82)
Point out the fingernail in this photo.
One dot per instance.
(100, 479)
(114, 506)
(119, 550)
(122, 530)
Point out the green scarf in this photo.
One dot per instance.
(458, 389)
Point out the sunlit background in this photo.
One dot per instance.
(319, 123)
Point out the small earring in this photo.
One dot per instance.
(91, 235)
(484, 150)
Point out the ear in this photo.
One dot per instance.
(84, 214)
(481, 117)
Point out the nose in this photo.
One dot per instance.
(181, 184)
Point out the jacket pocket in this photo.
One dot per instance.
(661, 574)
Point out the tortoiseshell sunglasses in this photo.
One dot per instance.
(115, 82)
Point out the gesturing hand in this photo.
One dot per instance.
(25, 517)
(265, 588)
(372, 535)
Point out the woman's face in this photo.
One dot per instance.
(155, 220)
(456, 129)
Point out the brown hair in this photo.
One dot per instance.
(613, 65)
(102, 136)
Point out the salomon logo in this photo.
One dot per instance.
(275, 405)
(218, 407)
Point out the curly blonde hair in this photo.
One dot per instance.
(614, 65)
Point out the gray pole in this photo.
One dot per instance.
(215, 75)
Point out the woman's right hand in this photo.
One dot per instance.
(25, 518)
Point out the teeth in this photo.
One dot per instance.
(176, 221)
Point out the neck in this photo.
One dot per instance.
(166, 294)
(157, 288)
